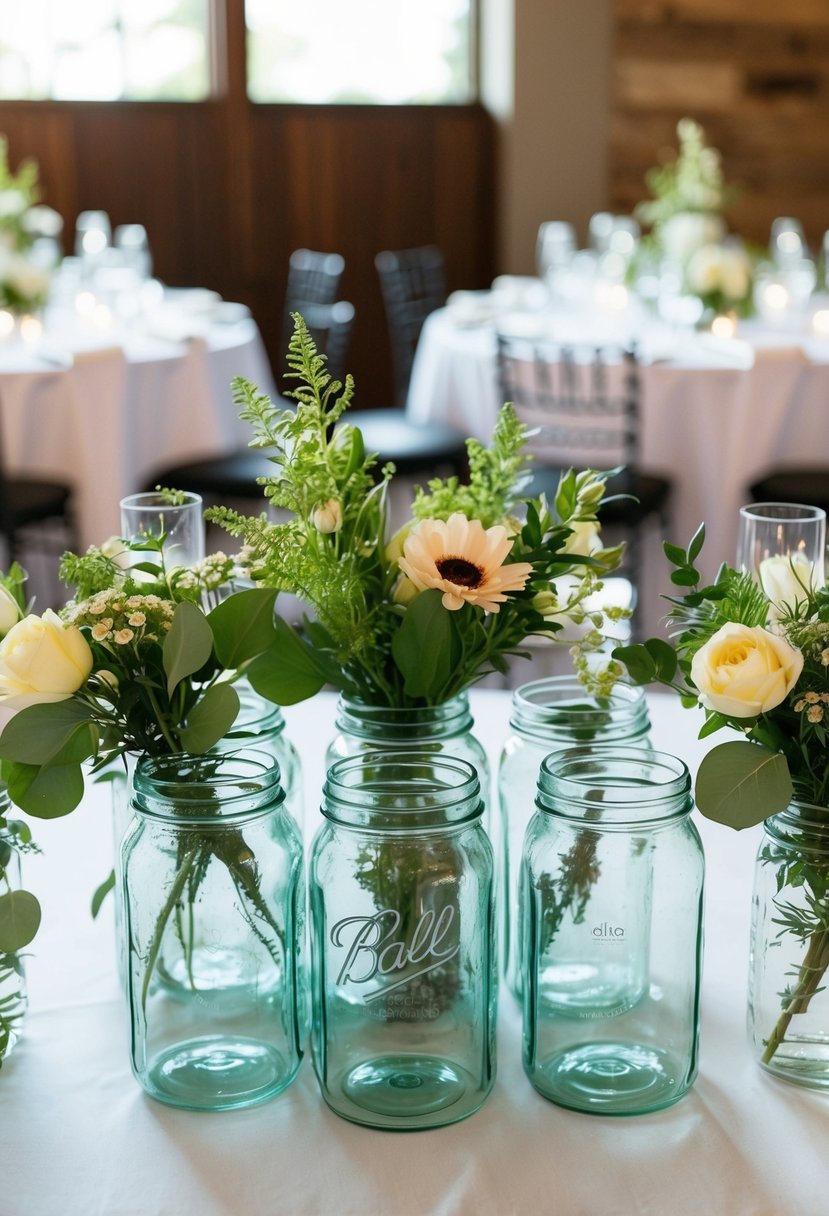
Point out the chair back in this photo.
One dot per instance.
(580, 400)
(413, 285)
(330, 326)
(313, 278)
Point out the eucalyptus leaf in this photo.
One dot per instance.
(741, 784)
(19, 920)
(638, 661)
(210, 718)
(60, 732)
(45, 792)
(422, 647)
(674, 554)
(187, 646)
(243, 626)
(664, 659)
(289, 671)
(101, 893)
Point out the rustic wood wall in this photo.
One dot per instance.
(755, 74)
(227, 190)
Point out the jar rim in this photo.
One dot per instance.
(364, 719)
(556, 706)
(195, 786)
(614, 785)
(402, 788)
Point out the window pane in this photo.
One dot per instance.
(104, 50)
(351, 51)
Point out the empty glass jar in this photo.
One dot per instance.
(548, 716)
(214, 920)
(611, 904)
(402, 939)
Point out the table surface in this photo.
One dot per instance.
(106, 410)
(80, 1138)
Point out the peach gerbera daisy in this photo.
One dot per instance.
(463, 561)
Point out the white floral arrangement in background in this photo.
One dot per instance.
(24, 278)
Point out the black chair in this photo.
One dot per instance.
(313, 279)
(809, 486)
(413, 285)
(582, 402)
(27, 506)
(233, 476)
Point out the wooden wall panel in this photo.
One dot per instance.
(227, 190)
(755, 75)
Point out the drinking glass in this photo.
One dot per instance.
(787, 243)
(181, 524)
(92, 233)
(782, 529)
(555, 246)
(134, 248)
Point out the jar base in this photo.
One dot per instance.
(217, 1073)
(801, 1061)
(610, 1078)
(407, 1092)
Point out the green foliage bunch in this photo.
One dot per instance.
(368, 631)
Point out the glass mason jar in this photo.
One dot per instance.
(214, 916)
(549, 716)
(402, 941)
(788, 1001)
(259, 725)
(13, 997)
(444, 730)
(611, 902)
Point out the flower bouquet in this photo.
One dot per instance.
(753, 652)
(414, 619)
(24, 282)
(142, 662)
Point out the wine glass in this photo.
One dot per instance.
(780, 529)
(181, 524)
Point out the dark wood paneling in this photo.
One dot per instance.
(227, 190)
(755, 75)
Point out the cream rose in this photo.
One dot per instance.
(743, 670)
(42, 660)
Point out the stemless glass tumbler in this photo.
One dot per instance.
(792, 531)
(180, 523)
(214, 915)
(402, 941)
(611, 906)
(549, 716)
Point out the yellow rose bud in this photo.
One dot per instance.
(42, 660)
(787, 581)
(394, 549)
(328, 516)
(405, 590)
(584, 538)
(9, 611)
(118, 553)
(743, 670)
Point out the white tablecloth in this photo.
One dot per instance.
(105, 414)
(714, 416)
(80, 1138)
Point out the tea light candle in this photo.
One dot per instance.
(31, 330)
(775, 297)
(724, 326)
(820, 322)
(101, 317)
